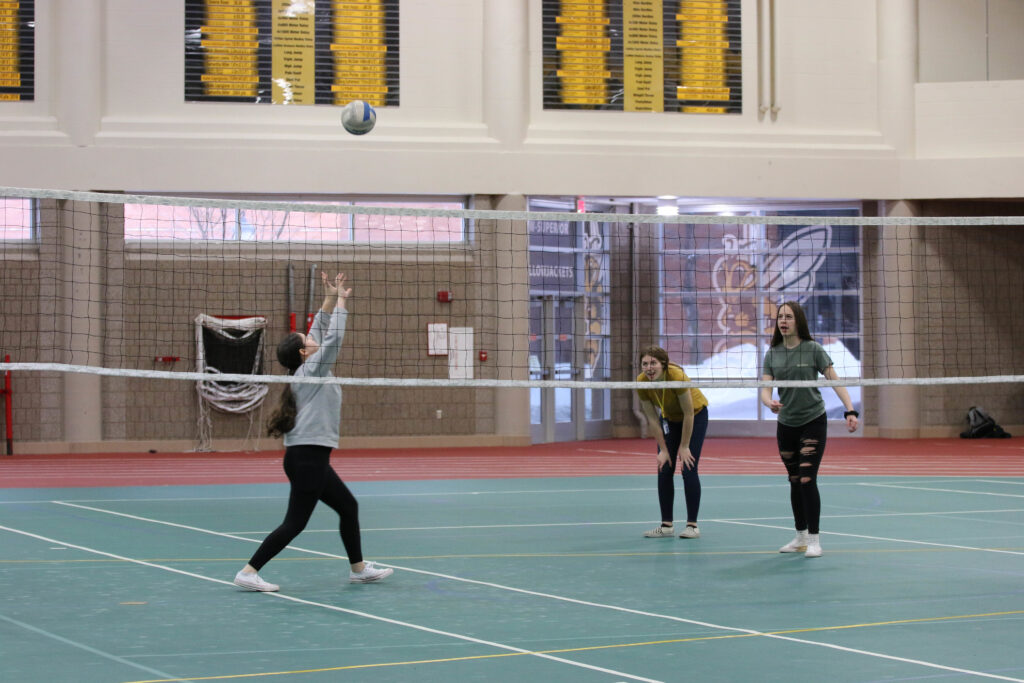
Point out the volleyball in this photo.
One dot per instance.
(358, 117)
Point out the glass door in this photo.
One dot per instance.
(560, 350)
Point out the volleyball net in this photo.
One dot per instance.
(453, 295)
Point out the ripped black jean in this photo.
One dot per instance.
(801, 449)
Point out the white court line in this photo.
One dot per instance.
(414, 494)
(509, 526)
(1020, 481)
(826, 466)
(83, 646)
(647, 522)
(397, 494)
(927, 488)
(411, 494)
(940, 480)
(767, 460)
(603, 450)
(884, 538)
(280, 596)
(141, 500)
(944, 513)
(751, 461)
(561, 598)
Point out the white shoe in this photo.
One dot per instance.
(813, 546)
(690, 532)
(253, 582)
(661, 532)
(797, 545)
(370, 573)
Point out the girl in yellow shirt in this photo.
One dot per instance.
(679, 420)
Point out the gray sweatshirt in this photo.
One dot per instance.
(319, 405)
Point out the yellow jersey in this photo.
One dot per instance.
(667, 400)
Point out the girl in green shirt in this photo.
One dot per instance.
(802, 425)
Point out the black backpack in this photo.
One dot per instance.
(980, 425)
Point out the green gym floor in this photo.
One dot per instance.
(518, 579)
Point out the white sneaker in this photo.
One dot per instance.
(690, 532)
(797, 545)
(370, 573)
(661, 532)
(253, 582)
(813, 546)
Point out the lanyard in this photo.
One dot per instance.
(661, 403)
(661, 407)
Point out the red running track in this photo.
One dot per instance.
(857, 456)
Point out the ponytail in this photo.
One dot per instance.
(283, 419)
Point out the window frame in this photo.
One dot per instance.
(463, 202)
(31, 230)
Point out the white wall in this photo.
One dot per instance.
(953, 41)
(971, 119)
(971, 40)
(110, 114)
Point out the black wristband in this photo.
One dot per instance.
(848, 413)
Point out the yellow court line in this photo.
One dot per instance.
(704, 553)
(896, 622)
(500, 556)
(586, 649)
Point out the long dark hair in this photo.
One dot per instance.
(802, 330)
(282, 420)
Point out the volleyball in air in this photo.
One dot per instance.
(358, 117)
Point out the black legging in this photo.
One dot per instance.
(313, 479)
(691, 480)
(801, 449)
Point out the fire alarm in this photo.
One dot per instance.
(444, 296)
(483, 356)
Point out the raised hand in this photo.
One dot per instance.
(330, 289)
(339, 286)
(335, 291)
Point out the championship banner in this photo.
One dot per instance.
(643, 68)
(293, 55)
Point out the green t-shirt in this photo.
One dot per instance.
(805, 361)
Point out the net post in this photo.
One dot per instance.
(8, 411)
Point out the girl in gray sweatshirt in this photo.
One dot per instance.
(308, 417)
